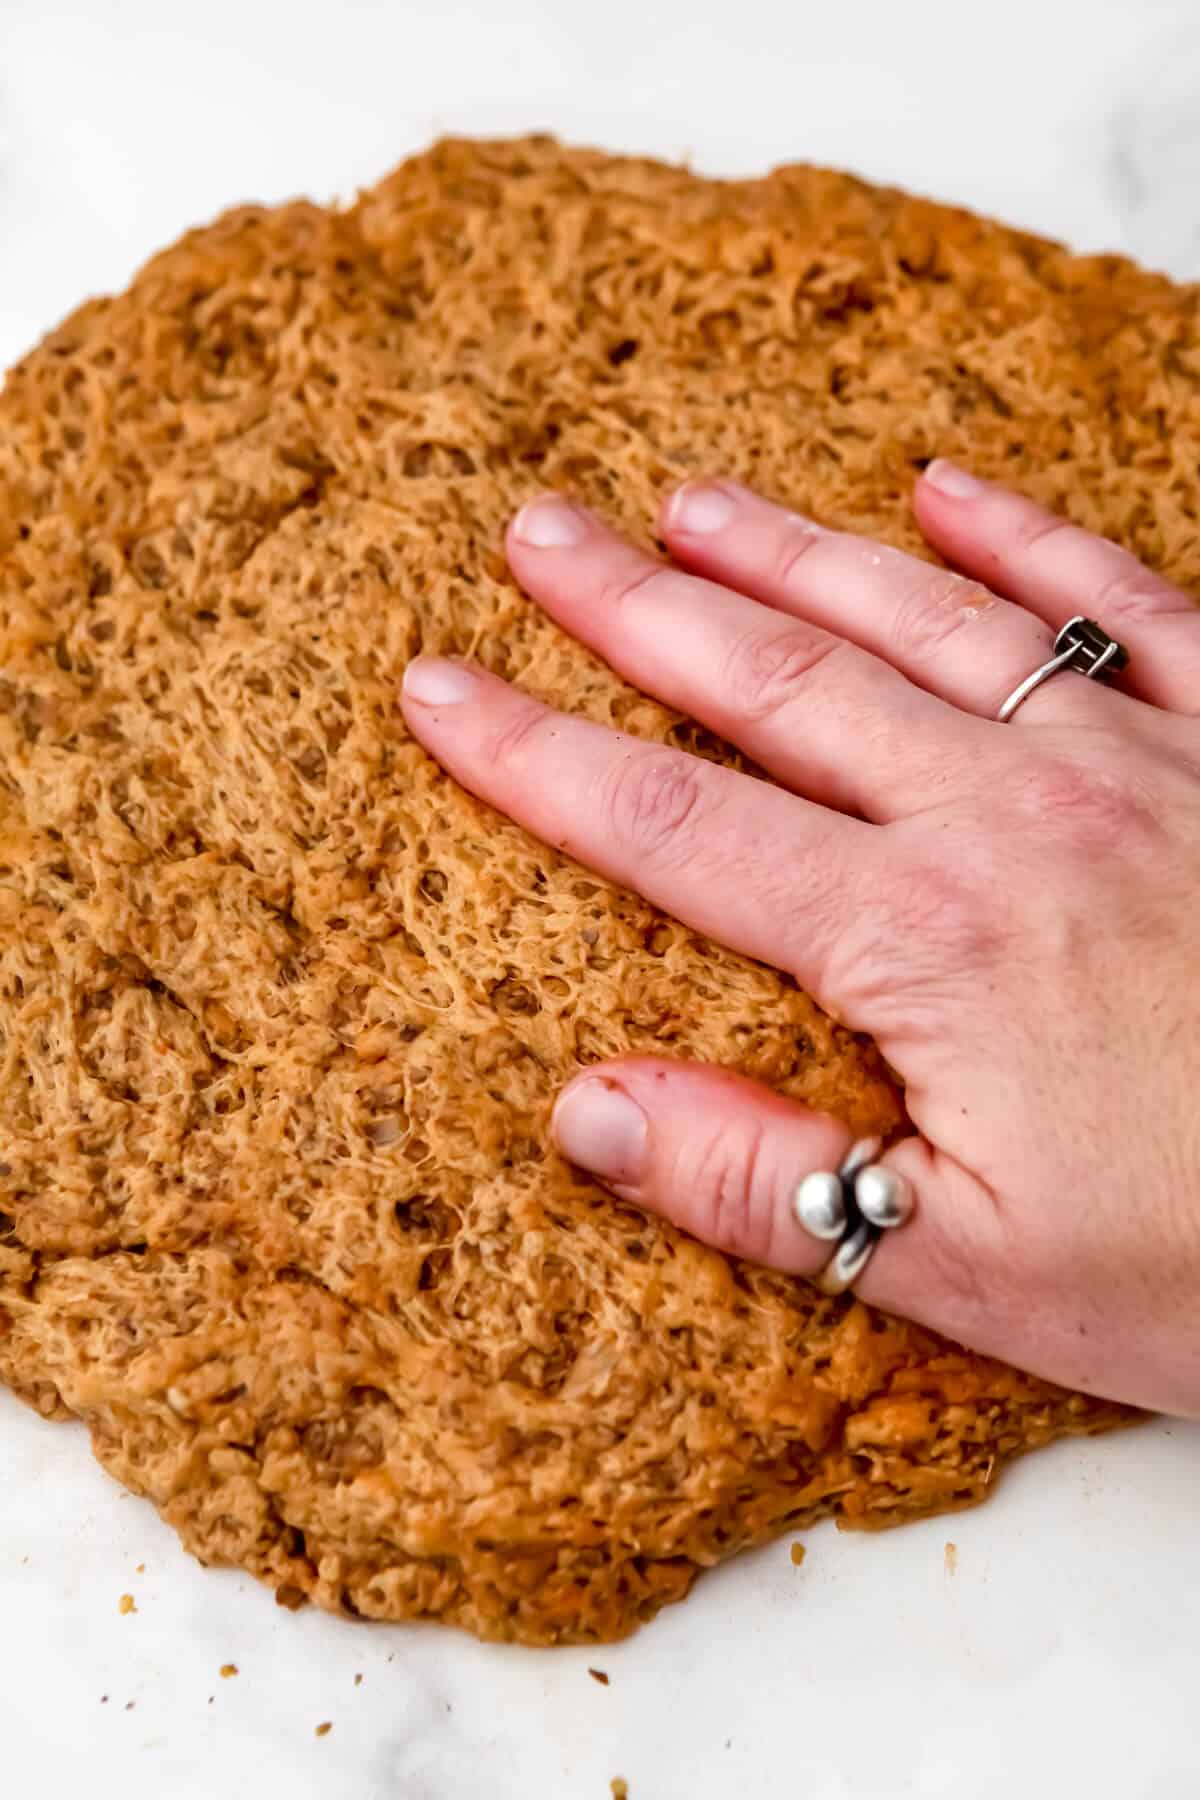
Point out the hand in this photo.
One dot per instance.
(1011, 911)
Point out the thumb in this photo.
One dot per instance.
(721, 1157)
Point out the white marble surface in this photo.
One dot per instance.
(1063, 1655)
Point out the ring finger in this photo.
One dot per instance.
(949, 634)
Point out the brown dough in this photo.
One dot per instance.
(284, 1011)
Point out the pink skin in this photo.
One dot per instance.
(1010, 910)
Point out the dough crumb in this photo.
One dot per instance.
(127, 1604)
(228, 1669)
(325, 1729)
(620, 1789)
(798, 1554)
(951, 1558)
(599, 1675)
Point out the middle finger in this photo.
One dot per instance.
(821, 715)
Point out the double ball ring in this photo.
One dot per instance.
(852, 1207)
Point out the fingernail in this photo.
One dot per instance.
(549, 524)
(698, 508)
(949, 479)
(433, 681)
(597, 1126)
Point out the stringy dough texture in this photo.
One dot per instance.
(284, 1010)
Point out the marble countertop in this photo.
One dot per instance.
(1056, 1649)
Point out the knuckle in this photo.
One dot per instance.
(653, 796)
(1086, 806)
(634, 576)
(1037, 529)
(1132, 594)
(926, 922)
(724, 1177)
(798, 542)
(932, 901)
(933, 611)
(764, 673)
(521, 734)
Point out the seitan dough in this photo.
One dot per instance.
(284, 1011)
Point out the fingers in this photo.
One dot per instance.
(950, 635)
(1058, 570)
(740, 860)
(716, 1154)
(721, 1157)
(822, 716)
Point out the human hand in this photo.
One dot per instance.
(1011, 911)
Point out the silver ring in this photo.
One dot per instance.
(1082, 646)
(853, 1205)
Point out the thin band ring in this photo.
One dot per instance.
(1082, 646)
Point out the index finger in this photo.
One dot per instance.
(760, 870)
